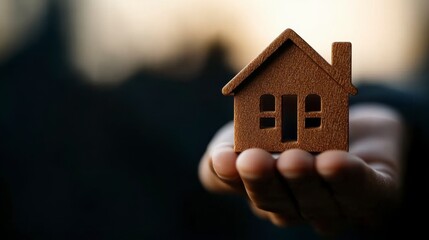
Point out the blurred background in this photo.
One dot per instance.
(109, 41)
(107, 106)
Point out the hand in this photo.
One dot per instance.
(330, 190)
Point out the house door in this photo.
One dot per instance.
(289, 118)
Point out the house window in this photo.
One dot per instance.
(312, 103)
(313, 111)
(267, 123)
(312, 122)
(267, 106)
(267, 103)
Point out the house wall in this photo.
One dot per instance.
(290, 71)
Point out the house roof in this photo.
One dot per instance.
(288, 34)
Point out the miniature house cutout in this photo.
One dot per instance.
(290, 97)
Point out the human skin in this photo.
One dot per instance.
(329, 191)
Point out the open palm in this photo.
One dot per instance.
(329, 191)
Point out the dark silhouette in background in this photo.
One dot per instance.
(80, 162)
(84, 162)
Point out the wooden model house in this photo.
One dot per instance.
(291, 97)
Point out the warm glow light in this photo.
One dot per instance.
(111, 40)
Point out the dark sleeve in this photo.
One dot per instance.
(408, 102)
(412, 104)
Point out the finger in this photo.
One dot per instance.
(280, 220)
(277, 219)
(360, 191)
(257, 211)
(224, 162)
(314, 199)
(218, 173)
(263, 185)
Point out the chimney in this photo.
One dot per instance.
(342, 61)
